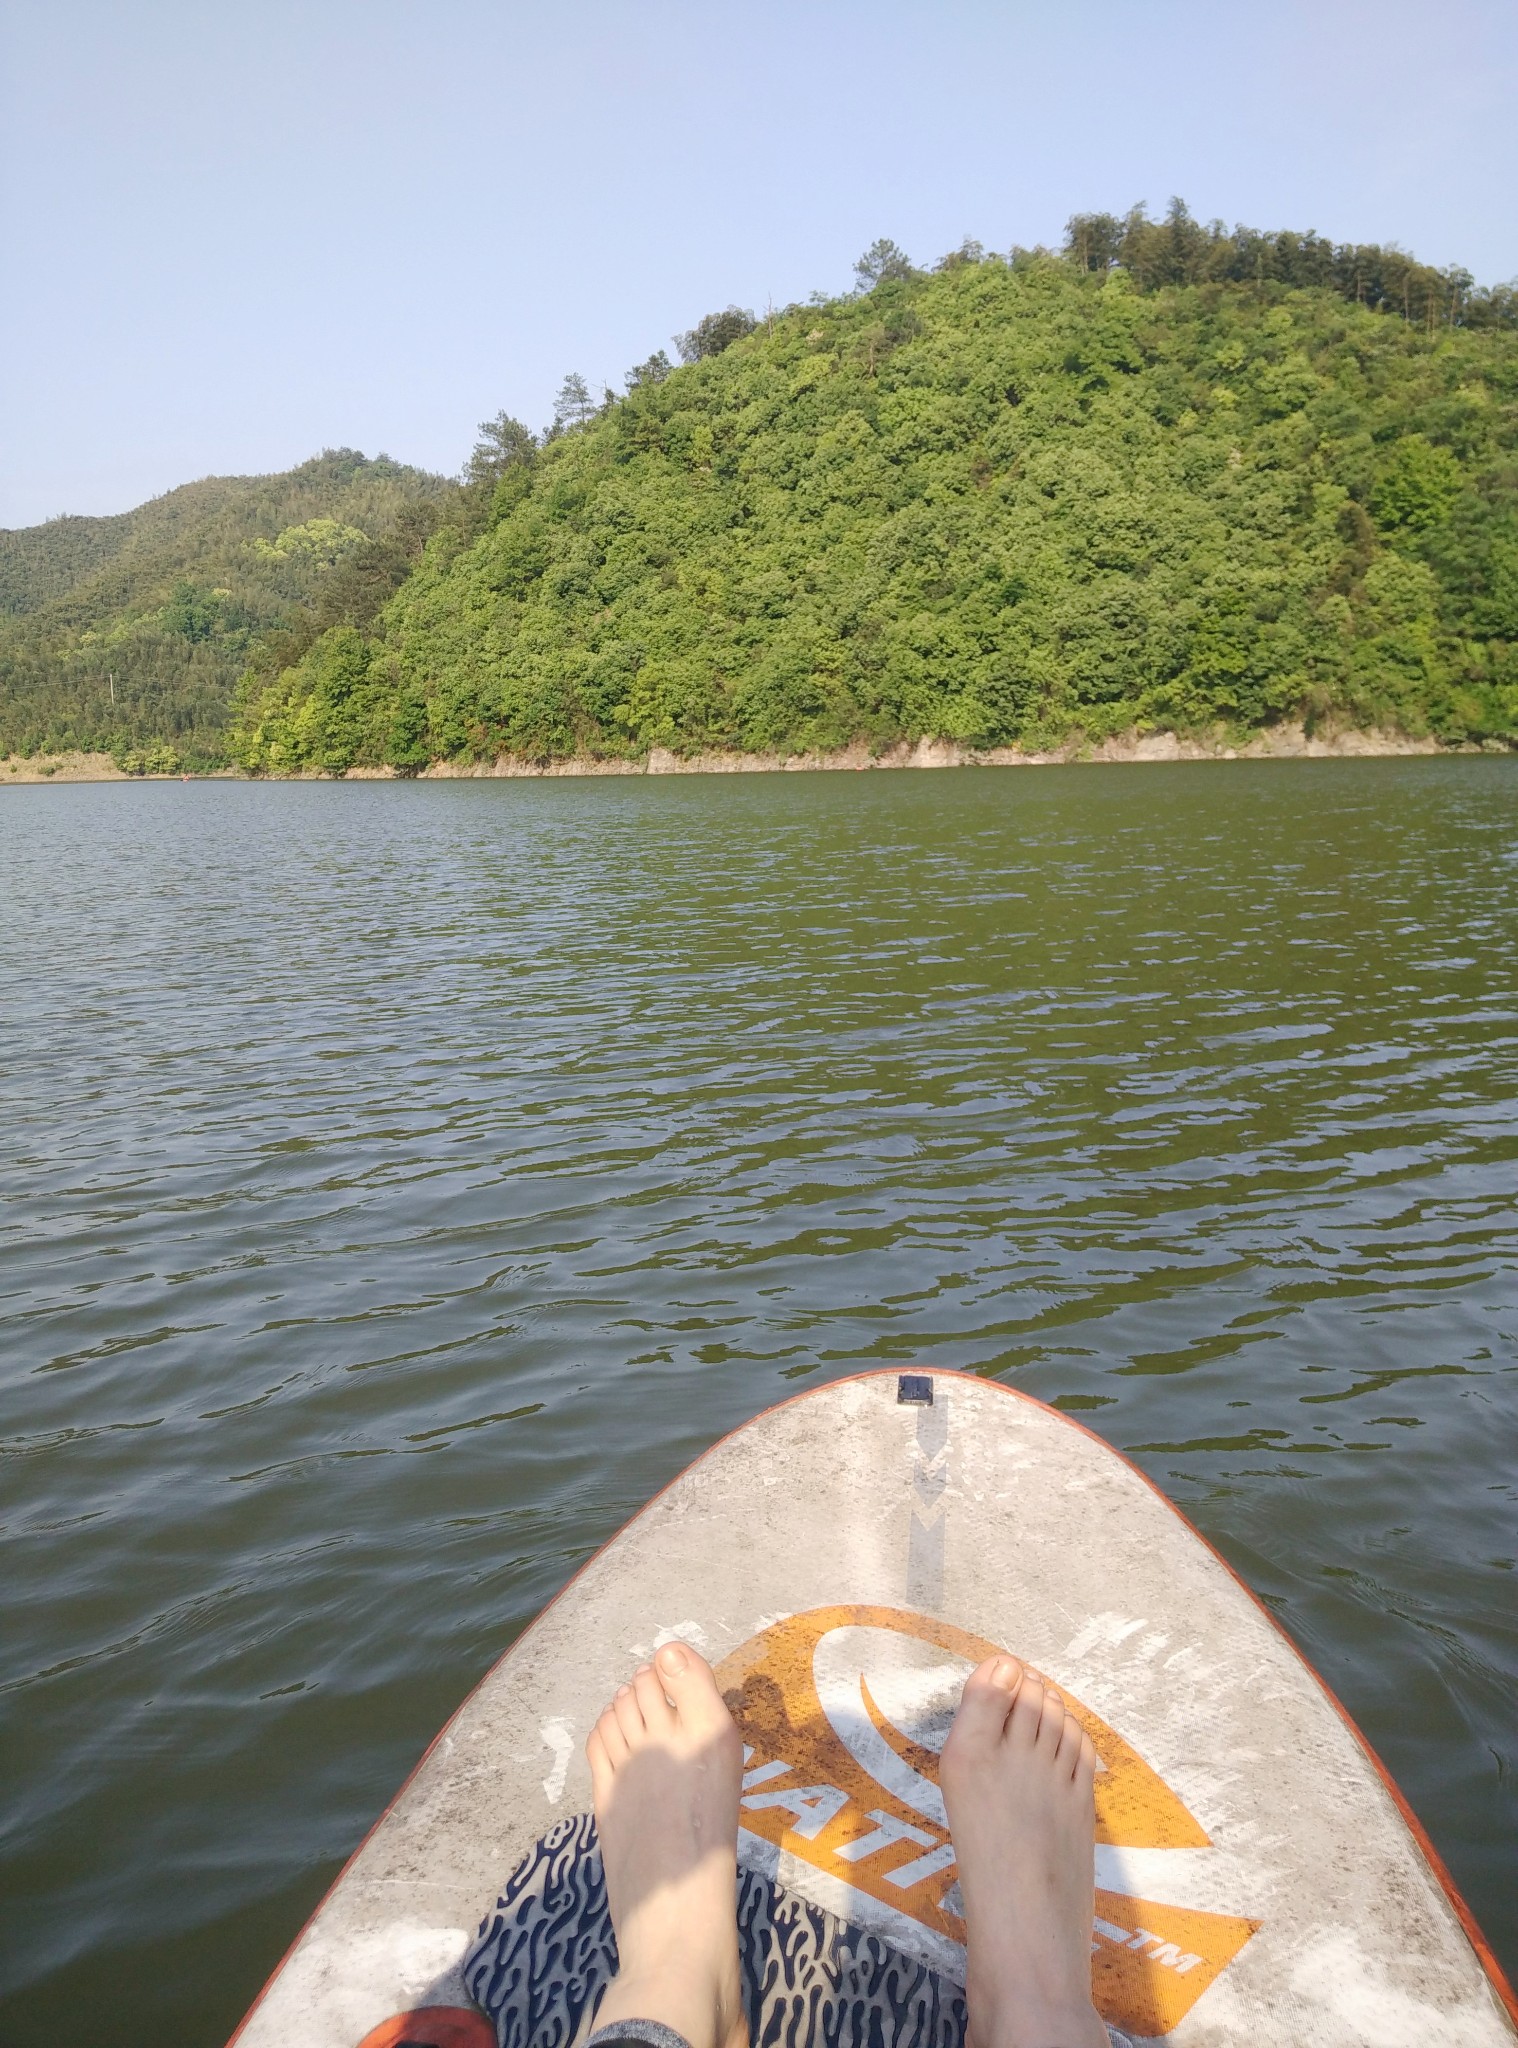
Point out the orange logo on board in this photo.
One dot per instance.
(843, 1711)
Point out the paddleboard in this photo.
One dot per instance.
(844, 1560)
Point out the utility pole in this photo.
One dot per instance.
(112, 675)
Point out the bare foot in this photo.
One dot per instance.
(1018, 1774)
(665, 1768)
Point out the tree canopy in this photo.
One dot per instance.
(1012, 500)
(1180, 250)
(716, 332)
(883, 259)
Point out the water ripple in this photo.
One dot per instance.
(401, 1181)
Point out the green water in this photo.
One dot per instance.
(400, 1181)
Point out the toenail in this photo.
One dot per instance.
(1004, 1672)
(623, 1691)
(671, 1658)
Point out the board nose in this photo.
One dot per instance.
(433, 2026)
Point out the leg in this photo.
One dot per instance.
(1018, 1776)
(665, 1767)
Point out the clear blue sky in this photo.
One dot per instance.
(234, 234)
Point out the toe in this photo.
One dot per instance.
(601, 1771)
(986, 1702)
(628, 1715)
(1027, 1710)
(1085, 1765)
(1051, 1722)
(658, 1715)
(686, 1679)
(608, 1733)
(1071, 1736)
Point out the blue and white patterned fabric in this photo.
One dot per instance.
(543, 1958)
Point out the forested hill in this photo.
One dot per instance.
(1010, 500)
(1174, 476)
(129, 633)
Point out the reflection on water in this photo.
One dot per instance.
(402, 1181)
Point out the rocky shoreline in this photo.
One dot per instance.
(1286, 742)
(1283, 742)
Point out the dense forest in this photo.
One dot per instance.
(128, 634)
(1174, 476)
(1170, 477)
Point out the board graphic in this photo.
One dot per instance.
(844, 1711)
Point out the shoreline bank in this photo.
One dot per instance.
(81, 767)
(1288, 742)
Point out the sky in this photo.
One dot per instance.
(234, 235)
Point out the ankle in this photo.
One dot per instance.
(1038, 2024)
(676, 1997)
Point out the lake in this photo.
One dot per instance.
(401, 1181)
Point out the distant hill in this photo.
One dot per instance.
(1173, 477)
(128, 633)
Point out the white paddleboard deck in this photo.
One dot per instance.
(844, 1560)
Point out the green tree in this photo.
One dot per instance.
(319, 540)
(504, 444)
(653, 370)
(883, 259)
(714, 333)
(191, 612)
(1417, 486)
(1094, 241)
(573, 406)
